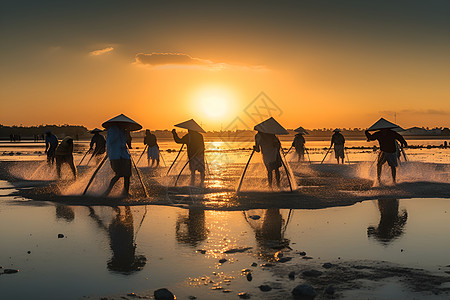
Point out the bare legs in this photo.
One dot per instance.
(202, 178)
(126, 185)
(270, 176)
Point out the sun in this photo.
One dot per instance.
(214, 103)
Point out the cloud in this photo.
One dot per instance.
(101, 51)
(157, 59)
(181, 60)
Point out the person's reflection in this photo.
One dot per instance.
(64, 212)
(392, 222)
(191, 229)
(121, 235)
(270, 233)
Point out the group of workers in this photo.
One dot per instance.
(118, 143)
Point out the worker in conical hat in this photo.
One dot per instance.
(64, 154)
(338, 140)
(153, 148)
(98, 144)
(51, 142)
(117, 150)
(388, 151)
(299, 143)
(195, 148)
(267, 142)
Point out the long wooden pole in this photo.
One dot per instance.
(289, 150)
(286, 169)
(325, 155)
(83, 157)
(139, 176)
(346, 154)
(243, 173)
(175, 159)
(95, 173)
(145, 148)
(178, 177)
(307, 153)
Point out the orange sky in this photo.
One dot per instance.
(323, 66)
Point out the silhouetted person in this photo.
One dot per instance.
(196, 152)
(98, 144)
(153, 148)
(121, 235)
(445, 144)
(51, 142)
(299, 145)
(64, 154)
(338, 141)
(269, 145)
(119, 156)
(391, 222)
(121, 240)
(388, 151)
(191, 229)
(270, 234)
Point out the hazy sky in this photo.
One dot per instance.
(323, 63)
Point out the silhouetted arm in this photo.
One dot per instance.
(369, 136)
(399, 138)
(178, 140)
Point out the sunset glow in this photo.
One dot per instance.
(325, 65)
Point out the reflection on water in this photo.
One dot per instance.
(121, 236)
(392, 222)
(106, 248)
(269, 231)
(191, 229)
(64, 212)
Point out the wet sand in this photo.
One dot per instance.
(319, 186)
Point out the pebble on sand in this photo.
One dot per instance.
(60, 235)
(304, 290)
(292, 275)
(10, 271)
(163, 294)
(244, 295)
(249, 277)
(302, 253)
(201, 251)
(223, 260)
(265, 288)
(327, 265)
(284, 259)
(237, 250)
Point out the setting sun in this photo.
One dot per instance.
(216, 103)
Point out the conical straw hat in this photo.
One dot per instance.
(122, 121)
(337, 130)
(190, 125)
(96, 130)
(271, 126)
(301, 130)
(382, 124)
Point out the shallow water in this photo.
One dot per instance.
(97, 250)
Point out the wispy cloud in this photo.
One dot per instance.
(101, 51)
(181, 60)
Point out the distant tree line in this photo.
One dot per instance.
(81, 132)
